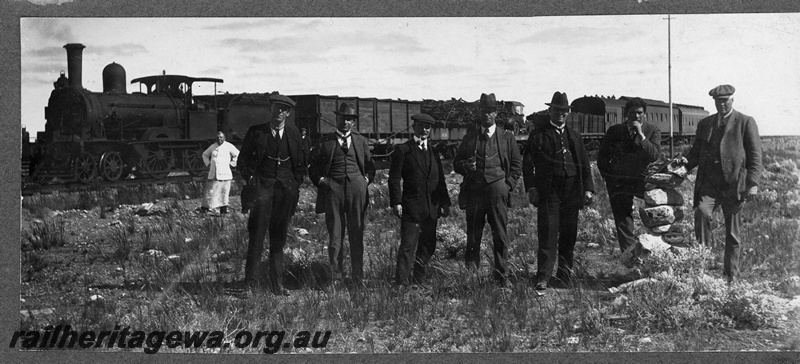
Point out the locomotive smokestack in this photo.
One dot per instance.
(75, 65)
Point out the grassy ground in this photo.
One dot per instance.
(98, 264)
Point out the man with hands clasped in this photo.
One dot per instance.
(558, 179)
(419, 203)
(626, 151)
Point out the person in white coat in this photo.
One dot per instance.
(219, 157)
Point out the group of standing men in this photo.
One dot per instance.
(556, 171)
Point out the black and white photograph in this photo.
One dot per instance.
(572, 184)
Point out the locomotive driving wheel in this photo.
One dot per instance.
(157, 163)
(111, 166)
(85, 168)
(193, 162)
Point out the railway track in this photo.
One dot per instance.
(56, 186)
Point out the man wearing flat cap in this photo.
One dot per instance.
(419, 203)
(273, 161)
(558, 179)
(491, 164)
(727, 154)
(342, 168)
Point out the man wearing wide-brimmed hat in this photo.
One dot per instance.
(727, 154)
(342, 168)
(491, 164)
(418, 196)
(559, 182)
(273, 164)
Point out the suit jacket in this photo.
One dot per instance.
(540, 150)
(322, 156)
(424, 188)
(510, 159)
(740, 154)
(254, 150)
(622, 157)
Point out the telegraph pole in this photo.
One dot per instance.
(669, 81)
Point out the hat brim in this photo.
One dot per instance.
(557, 106)
(722, 96)
(342, 114)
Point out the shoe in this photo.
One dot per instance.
(281, 292)
(540, 288)
(223, 210)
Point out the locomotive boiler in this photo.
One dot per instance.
(113, 133)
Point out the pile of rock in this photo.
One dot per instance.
(664, 208)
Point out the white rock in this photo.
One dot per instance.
(96, 297)
(645, 340)
(115, 222)
(302, 231)
(153, 253)
(573, 340)
(630, 285)
(664, 180)
(661, 196)
(187, 240)
(174, 257)
(646, 245)
(660, 215)
(661, 229)
(592, 245)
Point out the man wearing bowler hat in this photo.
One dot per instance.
(420, 202)
(342, 168)
(727, 154)
(273, 159)
(559, 182)
(491, 164)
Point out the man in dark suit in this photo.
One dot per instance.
(558, 179)
(626, 151)
(342, 168)
(273, 160)
(421, 201)
(490, 162)
(727, 154)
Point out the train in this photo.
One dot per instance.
(164, 126)
(593, 115)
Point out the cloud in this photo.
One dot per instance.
(431, 70)
(53, 31)
(576, 36)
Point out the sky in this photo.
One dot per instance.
(519, 59)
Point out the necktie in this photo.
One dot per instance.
(486, 134)
(277, 134)
(422, 145)
(345, 147)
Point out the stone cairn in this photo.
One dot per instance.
(664, 208)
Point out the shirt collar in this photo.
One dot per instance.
(559, 128)
(491, 130)
(723, 117)
(420, 141)
(345, 136)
